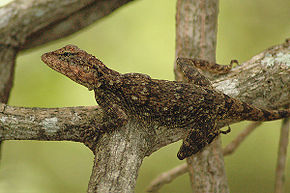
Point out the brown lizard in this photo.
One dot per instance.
(194, 105)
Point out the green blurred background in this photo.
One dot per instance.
(140, 37)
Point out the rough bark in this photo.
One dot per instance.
(118, 158)
(7, 61)
(268, 83)
(72, 23)
(7, 67)
(54, 124)
(26, 24)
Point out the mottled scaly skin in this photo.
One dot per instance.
(195, 105)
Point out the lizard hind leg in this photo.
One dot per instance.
(193, 143)
(206, 65)
(213, 134)
(190, 72)
(197, 138)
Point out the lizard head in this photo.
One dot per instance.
(76, 64)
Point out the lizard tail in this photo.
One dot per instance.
(244, 111)
(267, 115)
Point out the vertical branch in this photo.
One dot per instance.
(7, 63)
(196, 29)
(282, 156)
(118, 157)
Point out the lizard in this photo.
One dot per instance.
(194, 105)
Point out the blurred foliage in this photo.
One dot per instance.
(140, 37)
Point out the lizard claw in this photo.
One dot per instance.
(234, 62)
(226, 131)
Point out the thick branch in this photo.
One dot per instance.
(73, 23)
(31, 23)
(55, 124)
(118, 158)
(263, 81)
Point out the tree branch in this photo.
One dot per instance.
(27, 24)
(167, 177)
(76, 21)
(7, 67)
(54, 124)
(282, 157)
(268, 84)
(7, 61)
(118, 158)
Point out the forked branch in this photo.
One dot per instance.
(172, 174)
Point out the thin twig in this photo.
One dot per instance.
(282, 156)
(231, 147)
(170, 175)
(167, 177)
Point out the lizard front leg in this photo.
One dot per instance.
(115, 115)
(114, 118)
